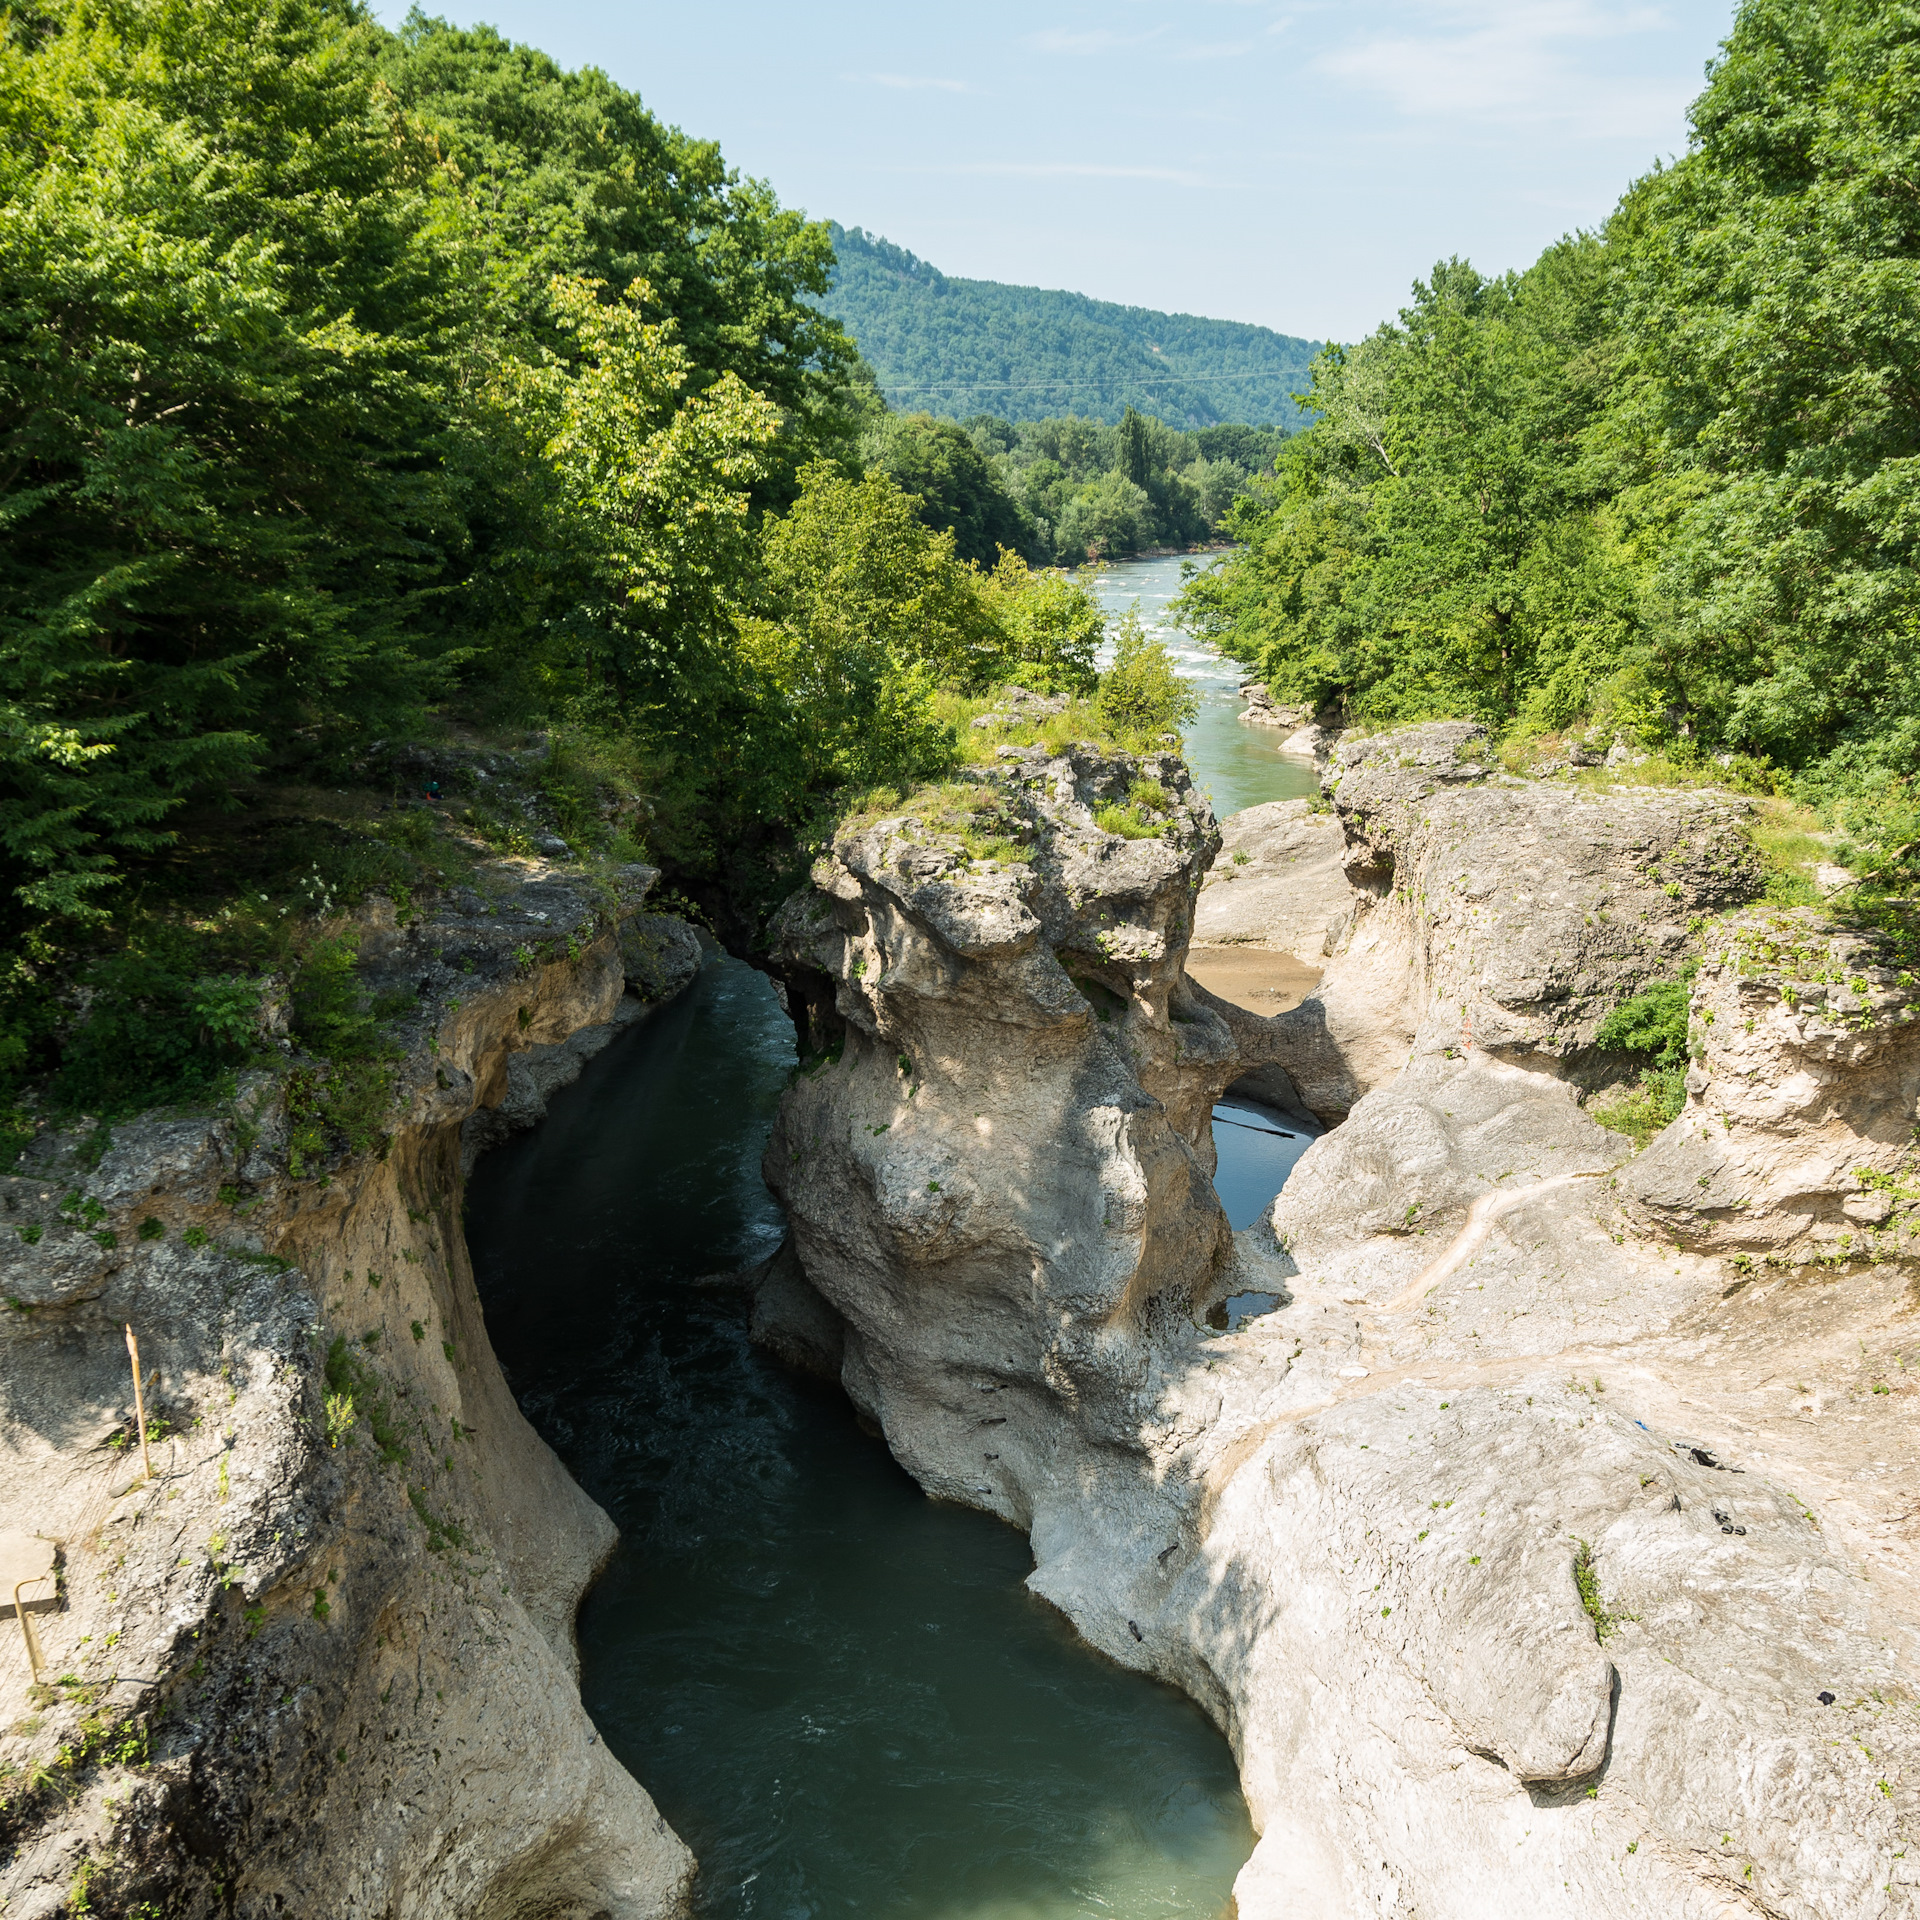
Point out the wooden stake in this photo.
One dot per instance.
(139, 1402)
(26, 1628)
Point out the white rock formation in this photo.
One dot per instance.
(1533, 1567)
(322, 1663)
(1798, 1132)
(1279, 881)
(1496, 912)
(1260, 710)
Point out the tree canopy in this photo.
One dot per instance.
(1663, 482)
(342, 372)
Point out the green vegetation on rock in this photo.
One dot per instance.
(1652, 1027)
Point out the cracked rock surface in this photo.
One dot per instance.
(1499, 913)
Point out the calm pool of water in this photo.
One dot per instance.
(1257, 1148)
(839, 1692)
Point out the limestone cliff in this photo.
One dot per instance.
(969, 1016)
(1509, 915)
(1533, 1566)
(320, 1663)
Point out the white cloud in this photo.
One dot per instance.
(1518, 63)
(910, 82)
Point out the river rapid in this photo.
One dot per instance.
(840, 1693)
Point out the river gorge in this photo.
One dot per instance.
(1118, 1377)
(839, 1693)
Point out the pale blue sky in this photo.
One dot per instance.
(1291, 164)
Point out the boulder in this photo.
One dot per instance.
(1261, 711)
(661, 955)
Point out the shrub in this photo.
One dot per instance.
(155, 1034)
(1141, 695)
(1652, 1023)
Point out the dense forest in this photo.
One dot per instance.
(368, 399)
(957, 347)
(1062, 491)
(1663, 485)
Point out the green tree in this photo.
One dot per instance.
(1767, 296)
(1141, 693)
(1050, 628)
(571, 176)
(1107, 519)
(235, 295)
(958, 488)
(647, 500)
(870, 614)
(1131, 458)
(1433, 543)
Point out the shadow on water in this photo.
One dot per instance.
(839, 1692)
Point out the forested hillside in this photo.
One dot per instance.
(958, 347)
(369, 400)
(1664, 484)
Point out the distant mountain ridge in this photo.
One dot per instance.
(960, 347)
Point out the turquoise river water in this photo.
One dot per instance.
(840, 1693)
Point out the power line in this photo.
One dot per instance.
(1078, 386)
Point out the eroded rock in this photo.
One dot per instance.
(322, 1662)
(1523, 1575)
(1279, 881)
(1499, 913)
(1798, 1130)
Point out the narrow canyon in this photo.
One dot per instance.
(1616, 1614)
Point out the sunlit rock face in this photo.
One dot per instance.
(321, 1663)
(1797, 1138)
(1001, 1135)
(1533, 1566)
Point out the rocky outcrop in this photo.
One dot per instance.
(1309, 734)
(1500, 913)
(1261, 710)
(660, 954)
(321, 1661)
(1279, 881)
(1028, 1010)
(1798, 1132)
(1533, 1568)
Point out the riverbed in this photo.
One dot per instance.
(840, 1693)
(1236, 766)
